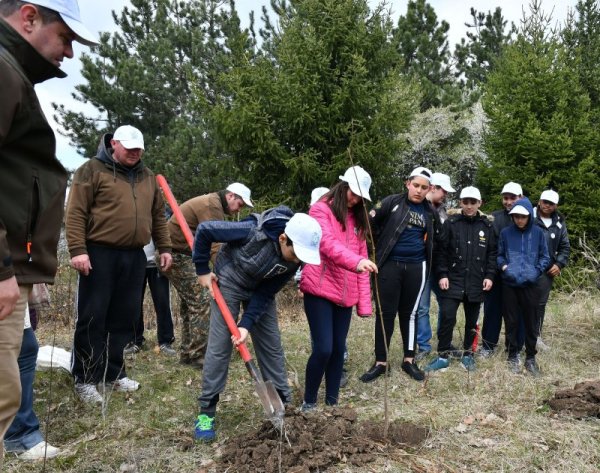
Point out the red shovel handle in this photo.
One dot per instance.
(242, 348)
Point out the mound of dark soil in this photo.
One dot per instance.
(314, 442)
(581, 401)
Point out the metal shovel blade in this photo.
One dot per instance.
(269, 398)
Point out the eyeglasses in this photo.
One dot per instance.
(547, 202)
(468, 201)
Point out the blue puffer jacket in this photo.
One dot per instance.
(524, 252)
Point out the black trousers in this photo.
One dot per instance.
(400, 289)
(521, 301)
(448, 309)
(161, 297)
(108, 305)
(544, 284)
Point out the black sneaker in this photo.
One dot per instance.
(514, 364)
(411, 369)
(532, 367)
(344, 378)
(455, 352)
(374, 372)
(132, 349)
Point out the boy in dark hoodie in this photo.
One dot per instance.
(522, 257)
(261, 254)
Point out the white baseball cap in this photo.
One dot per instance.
(442, 180)
(421, 172)
(358, 180)
(470, 192)
(519, 209)
(317, 193)
(512, 188)
(69, 12)
(305, 233)
(550, 195)
(241, 190)
(129, 136)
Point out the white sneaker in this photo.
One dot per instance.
(88, 393)
(39, 451)
(126, 385)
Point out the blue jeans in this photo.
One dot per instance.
(24, 432)
(423, 323)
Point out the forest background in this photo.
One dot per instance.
(313, 86)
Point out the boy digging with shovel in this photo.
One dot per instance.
(261, 254)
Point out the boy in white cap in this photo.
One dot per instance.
(440, 188)
(492, 306)
(552, 223)
(522, 258)
(464, 267)
(260, 255)
(194, 308)
(35, 37)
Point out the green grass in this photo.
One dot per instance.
(490, 420)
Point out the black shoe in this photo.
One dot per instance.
(413, 370)
(344, 378)
(514, 364)
(532, 367)
(374, 372)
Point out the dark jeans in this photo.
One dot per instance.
(24, 432)
(448, 309)
(400, 288)
(161, 297)
(108, 304)
(329, 324)
(544, 284)
(521, 302)
(492, 319)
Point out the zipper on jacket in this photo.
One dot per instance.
(34, 208)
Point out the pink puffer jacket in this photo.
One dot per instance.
(336, 279)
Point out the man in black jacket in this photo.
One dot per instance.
(553, 224)
(465, 265)
(34, 39)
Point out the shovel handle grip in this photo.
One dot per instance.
(231, 325)
(162, 182)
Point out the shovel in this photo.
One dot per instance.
(267, 393)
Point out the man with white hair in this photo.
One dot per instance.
(553, 225)
(115, 207)
(35, 37)
(194, 301)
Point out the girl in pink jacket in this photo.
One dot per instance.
(339, 283)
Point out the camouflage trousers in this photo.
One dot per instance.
(194, 309)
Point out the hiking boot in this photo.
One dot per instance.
(411, 369)
(39, 452)
(374, 372)
(468, 362)
(125, 385)
(439, 364)
(307, 407)
(88, 393)
(541, 346)
(422, 355)
(532, 367)
(514, 364)
(344, 378)
(204, 428)
(167, 349)
(132, 349)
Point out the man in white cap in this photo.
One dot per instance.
(260, 255)
(492, 306)
(115, 207)
(194, 308)
(440, 187)
(552, 222)
(34, 39)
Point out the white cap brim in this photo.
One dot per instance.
(248, 202)
(519, 210)
(306, 255)
(354, 188)
(83, 35)
(132, 144)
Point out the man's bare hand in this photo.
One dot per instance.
(487, 284)
(444, 284)
(243, 336)
(9, 295)
(165, 261)
(82, 264)
(206, 281)
(554, 271)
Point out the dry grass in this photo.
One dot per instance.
(487, 421)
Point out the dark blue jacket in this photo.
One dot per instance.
(524, 252)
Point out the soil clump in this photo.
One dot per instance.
(316, 441)
(581, 401)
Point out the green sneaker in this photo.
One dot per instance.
(204, 430)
